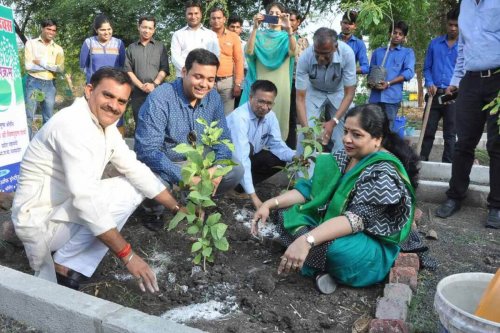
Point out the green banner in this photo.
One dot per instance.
(14, 137)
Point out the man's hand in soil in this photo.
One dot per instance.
(255, 200)
(260, 215)
(144, 275)
(294, 256)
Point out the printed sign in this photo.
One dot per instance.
(14, 137)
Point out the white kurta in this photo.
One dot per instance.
(60, 181)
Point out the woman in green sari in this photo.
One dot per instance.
(270, 56)
(345, 223)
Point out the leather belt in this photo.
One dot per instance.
(485, 73)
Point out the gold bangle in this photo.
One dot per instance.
(276, 203)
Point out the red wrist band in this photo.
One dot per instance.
(125, 251)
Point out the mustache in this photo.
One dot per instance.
(111, 109)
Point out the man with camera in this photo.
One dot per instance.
(440, 61)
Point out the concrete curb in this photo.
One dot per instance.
(439, 141)
(53, 308)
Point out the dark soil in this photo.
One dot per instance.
(254, 297)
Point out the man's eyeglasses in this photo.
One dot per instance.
(262, 102)
(192, 138)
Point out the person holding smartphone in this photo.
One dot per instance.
(270, 56)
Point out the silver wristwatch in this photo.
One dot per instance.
(310, 239)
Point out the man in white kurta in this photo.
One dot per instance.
(62, 204)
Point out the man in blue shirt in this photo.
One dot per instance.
(439, 63)
(348, 27)
(168, 118)
(400, 66)
(477, 76)
(257, 138)
(325, 83)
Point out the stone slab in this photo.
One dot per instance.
(391, 308)
(398, 291)
(56, 309)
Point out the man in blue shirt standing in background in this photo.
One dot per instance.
(477, 75)
(400, 66)
(439, 63)
(348, 27)
(257, 138)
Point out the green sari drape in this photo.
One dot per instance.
(358, 259)
(271, 51)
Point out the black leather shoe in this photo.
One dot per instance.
(448, 208)
(493, 220)
(72, 280)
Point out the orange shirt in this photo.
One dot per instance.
(231, 57)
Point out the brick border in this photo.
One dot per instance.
(392, 308)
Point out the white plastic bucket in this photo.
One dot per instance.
(456, 299)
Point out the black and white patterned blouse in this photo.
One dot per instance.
(380, 203)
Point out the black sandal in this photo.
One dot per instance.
(71, 281)
(325, 283)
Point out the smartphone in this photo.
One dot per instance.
(443, 99)
(271, 19)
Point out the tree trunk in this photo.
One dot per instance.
(21, 35)
(420, 87)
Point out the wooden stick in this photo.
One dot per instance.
(424, 124)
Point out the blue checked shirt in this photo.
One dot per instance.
(165, 120)
(247, 129)
(479, 38)
(400, 62)
(358, 47)
(439, 62)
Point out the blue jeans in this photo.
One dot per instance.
(391, 109)
(48, 88)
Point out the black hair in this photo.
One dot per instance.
(234, 19)
(350, 16)
(217, 9)
(400, 25)
(280, 6)
(375, 121)
(452, 15)
(147, 18)
(108, 72)
(99, 21)
(48, 23)
(324, 35)
(295, 13)
(202, 57)
(263, 85)
(192, 3)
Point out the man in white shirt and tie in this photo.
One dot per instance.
(194, 35)
(256, 135)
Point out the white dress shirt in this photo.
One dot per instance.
(187, 39)
(61, 174)
(262, 133)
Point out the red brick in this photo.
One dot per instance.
(406, 275)
(388, 326)
(407, 260)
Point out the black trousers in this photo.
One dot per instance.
(291, 140)
(136, 101)
(264, 165)
(475, 93)
(438, 111)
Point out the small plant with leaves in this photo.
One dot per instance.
(494, 105)
(312, 147)
(198, 175)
